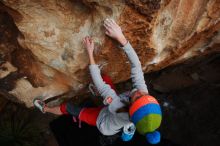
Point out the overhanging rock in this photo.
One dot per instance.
(42, 52)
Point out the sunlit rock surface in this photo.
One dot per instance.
(41, 52)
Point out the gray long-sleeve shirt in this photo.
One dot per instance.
(109, 122)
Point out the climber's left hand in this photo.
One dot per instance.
(89, 44)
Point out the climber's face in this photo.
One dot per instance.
(136, 95)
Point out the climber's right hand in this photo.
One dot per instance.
(89, 44)
(114, 31)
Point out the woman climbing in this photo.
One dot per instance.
(124, 112)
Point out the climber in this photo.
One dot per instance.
(122, 113)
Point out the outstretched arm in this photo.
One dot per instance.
(136, 70)
(113, 30)
(103, 88)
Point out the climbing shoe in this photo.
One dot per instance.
(38, 103)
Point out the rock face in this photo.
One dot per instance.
(41, 41)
